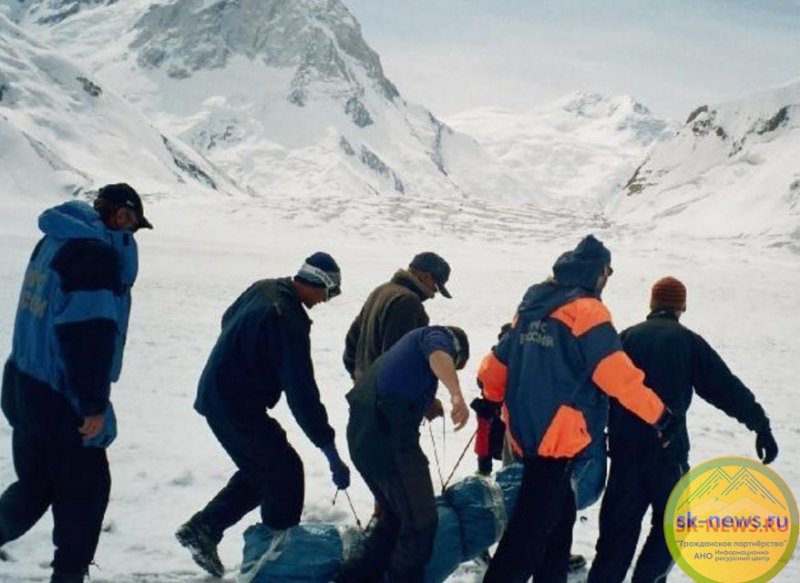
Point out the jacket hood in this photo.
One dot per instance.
(544, 298)
(72, 220)
(582, 266)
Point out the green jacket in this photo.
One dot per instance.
(391, 310)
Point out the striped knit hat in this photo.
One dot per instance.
(668, 293)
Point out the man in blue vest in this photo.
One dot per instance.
(67, 347)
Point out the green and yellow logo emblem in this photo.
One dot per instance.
(731, 520)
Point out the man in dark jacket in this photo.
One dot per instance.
(264, 351)
(553, 372)
(69, 336)
(677, 362)
(392, 309)
(387, 405)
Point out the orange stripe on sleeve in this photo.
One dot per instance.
(493, 374)
(617, 376)
(566, 435)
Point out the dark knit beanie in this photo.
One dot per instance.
(321, 270)
(668, 293)
(461, 343)
(583, 265)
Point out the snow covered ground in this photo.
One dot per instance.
(166, 464)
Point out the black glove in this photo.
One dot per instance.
(435, 410)
(340, 473)
(484, 408)
(766, 446)
(666, 426)
(485, 465)
(490, 411)
(497, 437)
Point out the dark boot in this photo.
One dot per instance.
(576, 563)
(61, 577)
(202, 546)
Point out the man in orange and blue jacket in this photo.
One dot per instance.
(554, 371)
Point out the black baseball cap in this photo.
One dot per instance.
(123, 195)
(439, 269)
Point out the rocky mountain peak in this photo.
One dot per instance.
(319, 38)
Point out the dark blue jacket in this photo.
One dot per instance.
(556, 367)
(72, 319)
(264, 350)
(404, 371)
(677, 362)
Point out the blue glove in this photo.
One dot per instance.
(340, 473)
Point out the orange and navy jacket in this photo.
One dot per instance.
(555, 369)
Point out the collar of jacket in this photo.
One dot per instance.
(544, 298)
(663, 315)
(410, 281)
(287, 290)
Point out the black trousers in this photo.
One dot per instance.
(632, 488)
(55, 471)
(270, 475)
(383, 440)
(538, 537)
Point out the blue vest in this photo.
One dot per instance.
(44, 303)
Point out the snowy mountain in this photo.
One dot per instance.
(62, 133)
(221, 116)
(731, 170)
(289, 101)
(286, 97)
(583, 146)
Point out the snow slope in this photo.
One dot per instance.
(65, 134)
(731, 171)
(166, 463)
(580, 149)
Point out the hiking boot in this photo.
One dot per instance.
(61, 577)
(203, 548)
(484, 558)
(576, 563)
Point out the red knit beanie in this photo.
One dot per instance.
(668, 293)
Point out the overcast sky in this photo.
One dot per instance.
(672, 55)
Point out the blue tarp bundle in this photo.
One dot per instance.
(472, 516)
(310, 552)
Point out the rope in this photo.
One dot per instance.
(352, 508)
(444, 442)
(436, 456)
(458, 462)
